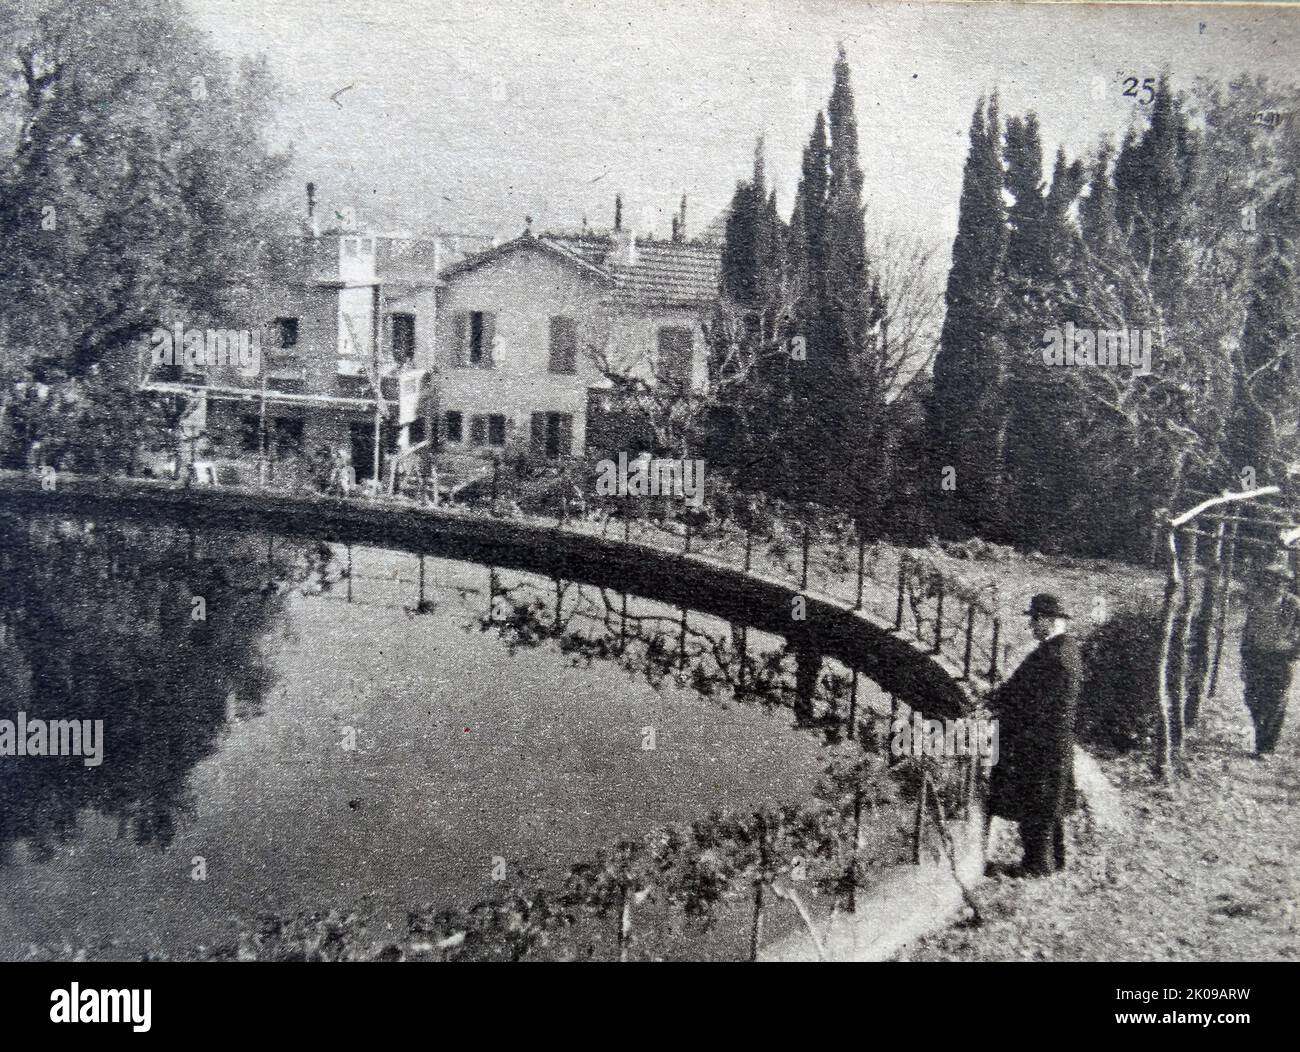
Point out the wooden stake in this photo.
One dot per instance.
(853, 706)
(862, 556)
(1202, 628)
(803, 573)
(624, 921)
(918, 827)
(1184, 635)
(970, 641)
(902, 587)
(1225, 595)
(1164, 746)
(756, 926)
(938, 619)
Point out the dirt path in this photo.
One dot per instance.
(1207, 869)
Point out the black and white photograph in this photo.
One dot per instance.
(649, 481)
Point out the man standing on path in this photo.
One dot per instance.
(1270, 643)
(1033, 781)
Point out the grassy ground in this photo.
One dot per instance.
(1207, 869)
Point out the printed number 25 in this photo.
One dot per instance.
(1131, 89)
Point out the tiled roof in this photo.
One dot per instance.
(665, 274)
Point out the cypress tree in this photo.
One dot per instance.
(745, 425)
(1041, 461)
(751, 249)
(1266, 409)
(837, 395)
(807, 269)
(1156, 210)
(853, 308)
(1153, 183)
(969, 368)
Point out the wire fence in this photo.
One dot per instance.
(820, 555)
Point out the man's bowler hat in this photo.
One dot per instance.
(1044, 604)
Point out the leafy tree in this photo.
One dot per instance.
(135, 194)
(1166, 250)
(1263, 431)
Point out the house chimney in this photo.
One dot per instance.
(677, 233)
(681, 221)
(313, 224)
(618, 212)
(625, 248)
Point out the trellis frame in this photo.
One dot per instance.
(1177, 605)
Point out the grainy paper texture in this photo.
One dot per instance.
(647, 481)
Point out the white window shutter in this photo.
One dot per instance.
(460, 337)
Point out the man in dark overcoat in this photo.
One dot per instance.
(1270, 644)
(1032, 782)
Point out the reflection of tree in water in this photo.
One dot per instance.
(595, 624)
(102, 622)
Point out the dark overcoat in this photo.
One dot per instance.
(1033, 778)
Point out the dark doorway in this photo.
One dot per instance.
(363, 446)
(363, 449)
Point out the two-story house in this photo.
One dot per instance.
(346, 353)
(527, 332)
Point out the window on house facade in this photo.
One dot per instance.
(473, 339)
(455, 427)
(403, 326)
(288, 435)
(286, 331)
(564, 346)
(415, 432)
(250, 434)
(676, 360)
(487, 430)
(478, 343)
(552, 434)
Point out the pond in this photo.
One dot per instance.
(291, 726)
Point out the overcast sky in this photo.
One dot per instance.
(470, 114)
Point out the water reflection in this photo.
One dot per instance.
(145, 627)
(661, 645)
(229, 686)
